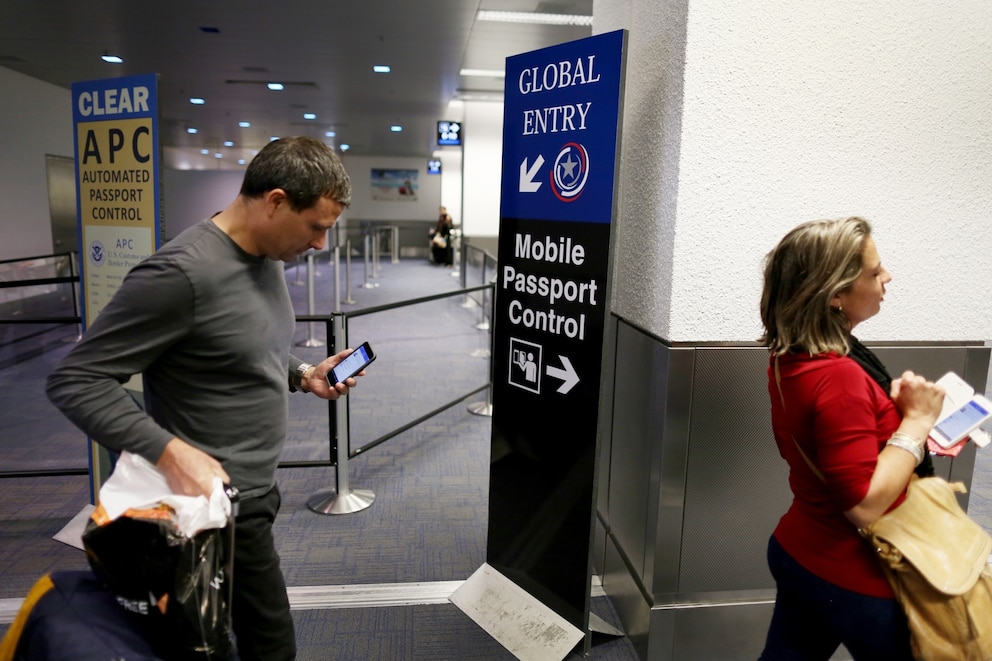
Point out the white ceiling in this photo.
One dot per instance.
(323, 50)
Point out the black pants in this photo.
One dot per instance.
(813, 617)
(262, 622)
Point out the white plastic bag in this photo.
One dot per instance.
(138, 484)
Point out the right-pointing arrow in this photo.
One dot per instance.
(567, 375)
(527, 183)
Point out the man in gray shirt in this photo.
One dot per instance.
(207, 320)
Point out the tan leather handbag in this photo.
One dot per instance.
(936, 559)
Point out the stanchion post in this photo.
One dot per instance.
(486, 407)
(484, 320)
(342, 499)
(396, 244)
(469, 302)
(337, 278)
(375, 253)
(75, 295)
(311, 341)
(348, 300)
(297, 281)
(368, 264)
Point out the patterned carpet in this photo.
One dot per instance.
(426, 526)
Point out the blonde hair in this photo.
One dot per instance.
(803, 273)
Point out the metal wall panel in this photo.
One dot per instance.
(736, 485)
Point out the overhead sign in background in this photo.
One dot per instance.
(117, 181)
(115, 123)
(561, 115)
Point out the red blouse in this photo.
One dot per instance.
(841, 418)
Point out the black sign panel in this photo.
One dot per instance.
(561, 119)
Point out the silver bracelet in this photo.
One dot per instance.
(910, 444)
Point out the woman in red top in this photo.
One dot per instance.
(850, 445)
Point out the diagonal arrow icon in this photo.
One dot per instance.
(527, 183)
(566, 373)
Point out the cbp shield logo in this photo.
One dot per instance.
(570, 172)
(97, 253)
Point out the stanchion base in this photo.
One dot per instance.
(480, 353)
(310, 343)
(482, 325)
(470, 303)
(327, 501)
(349, 301)
(481, 408)
(370, 285)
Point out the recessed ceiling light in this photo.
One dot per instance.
(483, 73)
(204, 151)
(241, 161)
(330, 134)
(395, 128)
(191, 130)
(381, 68)
(273, 138)
(196, 101)
(218, 155)
(533, 17)
(276, 87)
(345, 147)
(113, 59)
(228, 143)
(244, 125)
(309, 115)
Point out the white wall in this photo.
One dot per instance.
(35, 120)
(189, 196)
(482, 158)
(451, 183)
(745, 119)
(363, 207)
(192, 195)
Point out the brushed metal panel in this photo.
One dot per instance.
(673, 476)
(61, 176)
(737, 484)
(636, 438)
(728, 632)
(604, 444)
(627, 599)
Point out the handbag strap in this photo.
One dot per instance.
(781, 396)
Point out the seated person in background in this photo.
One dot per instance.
(441, 250)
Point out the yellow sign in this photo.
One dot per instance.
(116, 203)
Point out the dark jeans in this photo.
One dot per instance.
(813, 617)
(262, 622)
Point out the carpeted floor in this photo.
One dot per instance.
(426, 529)
(427, 525)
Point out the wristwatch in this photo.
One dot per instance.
(297, 375)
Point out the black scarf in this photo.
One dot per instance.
(870, 363)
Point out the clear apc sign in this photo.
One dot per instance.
(117, 181)
(118, 208)
(560, 150)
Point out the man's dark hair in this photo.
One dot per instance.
(305, 168)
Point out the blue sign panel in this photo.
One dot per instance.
(560, 131)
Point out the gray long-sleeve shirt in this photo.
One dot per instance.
(210, 328)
